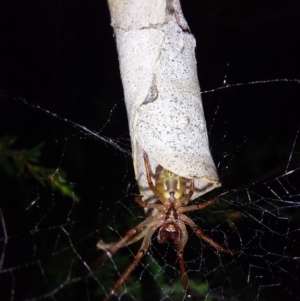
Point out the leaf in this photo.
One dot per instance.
(7, 166)
(18, 161)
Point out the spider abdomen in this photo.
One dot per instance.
(169, 184)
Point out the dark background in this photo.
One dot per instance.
(61, 56)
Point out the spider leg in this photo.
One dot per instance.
(141, 234)
(198, 206)
(141, 252)
(130, 237)
(149, 179)
(202, 236)
(181, 202)
(180, 248)
(138, 199)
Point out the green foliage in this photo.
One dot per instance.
(22, 161)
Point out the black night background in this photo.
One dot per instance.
(60, 56)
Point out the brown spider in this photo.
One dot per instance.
(168, 217)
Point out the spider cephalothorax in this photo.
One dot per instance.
(168, 218)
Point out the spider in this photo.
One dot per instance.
(168, 217)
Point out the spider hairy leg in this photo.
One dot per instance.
(198, 206)
(142, 251)
(186, 198)
(138, 199)
(133, 235)
(204, 237)
(184, 277)
(157, 193)
(180, 249)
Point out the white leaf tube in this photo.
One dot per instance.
(162, 94)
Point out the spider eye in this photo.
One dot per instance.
(168, 231)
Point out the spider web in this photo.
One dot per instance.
(48, 242)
